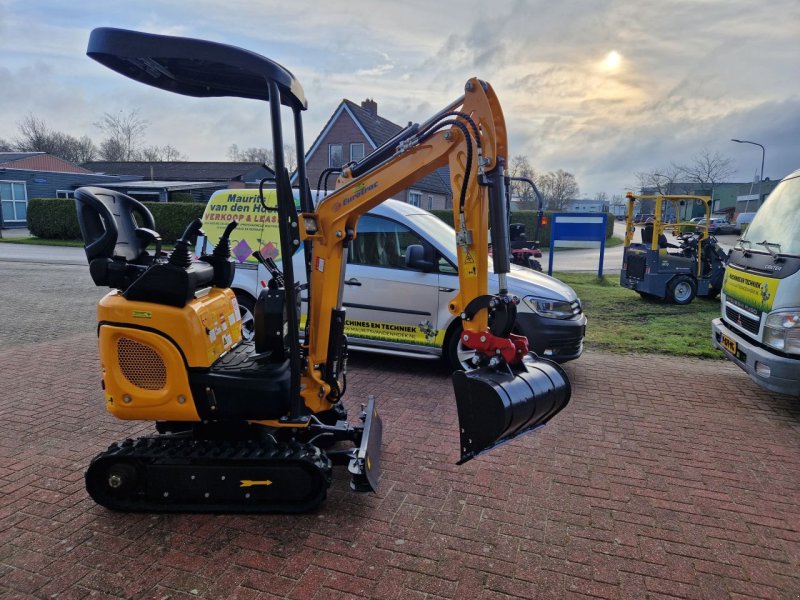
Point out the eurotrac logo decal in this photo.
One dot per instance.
(361, 189)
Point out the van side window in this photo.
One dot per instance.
(381, 243)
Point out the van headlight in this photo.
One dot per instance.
(552, 309)
(782, 331)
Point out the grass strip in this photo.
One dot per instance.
(621, 321)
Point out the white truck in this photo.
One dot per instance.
(759, 329)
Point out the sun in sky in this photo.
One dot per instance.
(612, 61)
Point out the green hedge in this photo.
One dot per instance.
(56, 219)
(528, 218)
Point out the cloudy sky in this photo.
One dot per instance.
(600, 88)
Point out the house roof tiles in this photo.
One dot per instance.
(177, 170)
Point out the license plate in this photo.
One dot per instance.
(729, 344)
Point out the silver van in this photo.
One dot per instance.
(398, 306)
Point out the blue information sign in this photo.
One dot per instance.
(583, 230)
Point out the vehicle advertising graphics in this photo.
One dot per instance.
(749, 289)
(423, 334)
(257, 229)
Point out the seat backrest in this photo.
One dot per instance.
(647, 234)
(107, 219)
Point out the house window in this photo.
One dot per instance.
(14, 200)
(430, 202)
(415, 198)
(335, 156)
(356, 152)
(65, 194)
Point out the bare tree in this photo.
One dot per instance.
(36, 136)
(160, 154)
(519, 166)
(706, 168)
(660, 180)
(558, 187)
(252, 154)
(6, 146)
(124, 133)
(264, 156)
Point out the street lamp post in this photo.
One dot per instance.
(761, 174)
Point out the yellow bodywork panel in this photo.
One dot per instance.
(145, 349)
(204, 329)
(144, 376)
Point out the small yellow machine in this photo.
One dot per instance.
(655, 268)
(256, 426)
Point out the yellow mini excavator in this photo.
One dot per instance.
(256, 426)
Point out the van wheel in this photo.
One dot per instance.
(681, 290)
(247, 308)
(456, 355)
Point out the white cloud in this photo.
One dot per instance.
(694, 73)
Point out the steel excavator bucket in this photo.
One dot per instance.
(495, 406)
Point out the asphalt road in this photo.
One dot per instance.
(564, 260)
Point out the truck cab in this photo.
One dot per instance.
(759, 325)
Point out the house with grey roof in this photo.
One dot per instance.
(231, 174)
(354, 131)
(25, 175)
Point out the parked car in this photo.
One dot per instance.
(720, 226)
(743, 220)
(395, 306)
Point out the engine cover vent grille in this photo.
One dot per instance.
(141, 364)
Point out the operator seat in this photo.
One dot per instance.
(116, 248)
(114, 242)
(647, 237)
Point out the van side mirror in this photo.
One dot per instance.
(419, 258)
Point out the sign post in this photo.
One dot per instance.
(578, 230)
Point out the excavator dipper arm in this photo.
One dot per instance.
(470, 136)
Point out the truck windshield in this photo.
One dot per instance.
(778, 221)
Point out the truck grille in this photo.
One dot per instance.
(743, 321)
(636, 266)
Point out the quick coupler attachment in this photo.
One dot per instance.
(497, 405)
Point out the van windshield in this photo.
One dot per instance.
(434, 228)
(778, 221)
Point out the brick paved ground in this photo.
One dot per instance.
(663, 478)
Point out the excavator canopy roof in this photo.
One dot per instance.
(193, 67)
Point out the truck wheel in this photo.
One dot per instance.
(681, 290)
(247, 308)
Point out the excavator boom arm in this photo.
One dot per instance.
(448, 139)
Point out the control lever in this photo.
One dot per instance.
(181, 256)
(272, 267)
(223, 248)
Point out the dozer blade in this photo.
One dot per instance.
(365, 465)
(495, 406)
